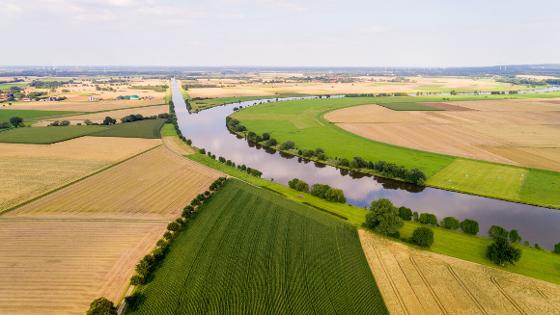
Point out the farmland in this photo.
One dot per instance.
(252, 251)
(47, 135)
(148, 128)
(29, 115)
(303, 123)
(419, 282)
(31, 170)
(117, 114)
(82, 241)
(157, 183)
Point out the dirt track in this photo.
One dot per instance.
(421, 282)
(525, 133)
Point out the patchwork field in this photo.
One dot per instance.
(84, 106)
(117, 114)
(251, 251)
(158, 183)
(360, 85)
(421, 282)
(31, 170)
(82, 241)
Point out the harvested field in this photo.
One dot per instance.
(447, 106)
(117, 114)
(58, 266)
(177, 145)
(155, 184)
(517, 132)
(421, 282)
(83, 241)
(85, 106)
(29, 170)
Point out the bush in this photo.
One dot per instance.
(288, 145)
(497, 231)
(557, 248)
(514, 236)
(450, 223)
(383, 217)
(427, 218)
(319, 190)
(271, 142)
(422, 236)
(16, 121)
(335, 195)
(102, 306)
(501, 252)
(469, 226)
(405, 213)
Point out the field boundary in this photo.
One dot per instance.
(76, 181)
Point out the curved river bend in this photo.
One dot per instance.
(207, 129)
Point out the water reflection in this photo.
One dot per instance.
(207, 130)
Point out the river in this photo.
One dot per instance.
(207, 129)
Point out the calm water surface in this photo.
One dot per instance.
(207, 130)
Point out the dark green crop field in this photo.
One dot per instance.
(149, 129)
(47, 135)
(250, 251)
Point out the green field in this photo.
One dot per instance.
(302, 122)
(148, 128)
(168, 130)
(534, 263)
(251, 251)
(29, 115)
(7, 86)
(198, 105)
(47, 135)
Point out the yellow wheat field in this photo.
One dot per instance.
(63, 250)
(158, 183)
(421, 282)
(29, 170)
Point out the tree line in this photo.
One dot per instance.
(148, 264)
(322, 191)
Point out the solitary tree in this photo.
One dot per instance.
(450, 223)
(557, 248)
(514, 236)
(422, 236)
(109, 121)
(383, 217)
(16, 121)
(470, 226)
(427, 218)
(405, 213)
(501, 252)
(102, 306)
(497, 231)
(288, 145)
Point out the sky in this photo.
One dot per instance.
(427, 33)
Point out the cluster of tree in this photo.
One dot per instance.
(137, 117)
(145, 268)
(234, 125)
(383, 217)
(317, 153)
(386, 169)
(318, 190)
(521, 81)
(502, 251)
(14, 122)
(48, 84)
(102, 306)
(242, 167)
(468, 226)
(58, 123)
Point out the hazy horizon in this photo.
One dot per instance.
(283, 33)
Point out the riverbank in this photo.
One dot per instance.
(303, 123)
